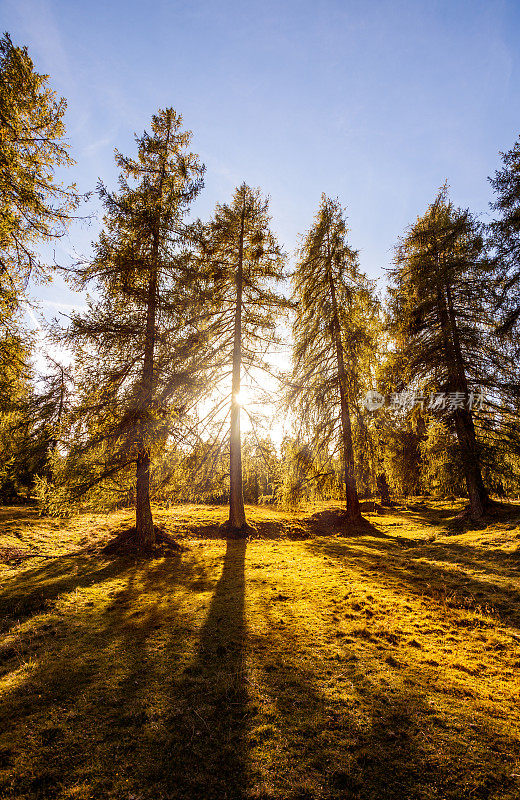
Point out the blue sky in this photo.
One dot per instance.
(376, 102)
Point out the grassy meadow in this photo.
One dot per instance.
(310, 662)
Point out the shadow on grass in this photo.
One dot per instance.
(451, 522)
(33, 590)
(215, 686)
(423, 568)
(126, 694)
(327, 522)
(18, 514)
(364, 747)
(336, 522)
(356, 726)
(260, 529)
(144, 693)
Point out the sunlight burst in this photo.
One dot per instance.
(242, 397)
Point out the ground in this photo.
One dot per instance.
(312, 661)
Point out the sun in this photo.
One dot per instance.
(242, 397)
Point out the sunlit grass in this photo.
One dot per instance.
(375, 664)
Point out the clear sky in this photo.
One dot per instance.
(376, 102)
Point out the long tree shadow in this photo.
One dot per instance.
(354, 726)
(413, 565)
(127, 691)
(493, 560)
(34, 589)
(85, 687)
(215, 691)
(361, 747)
(190, 741)
(145, 695)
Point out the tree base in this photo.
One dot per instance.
(126, 543)
(233, 532)
(491, 507)
(334, 520)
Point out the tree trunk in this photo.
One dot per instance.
(145, 536)
(463, 419)
(144, 528)
(382, 489)
(351, 495)
(237, 515)
(53, 444)
(466, 424)
(62, 398)
(478, 497)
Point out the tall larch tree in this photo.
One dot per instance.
(438, 314)
(35, 209)
(138, 347)
(247, 264)
(331, 329)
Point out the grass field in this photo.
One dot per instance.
(310, 662)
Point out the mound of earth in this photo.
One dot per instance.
(229, 532)
(335, 520)
(125, 543)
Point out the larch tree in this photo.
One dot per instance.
(438, 318)
(139, 345)
(247, 264)
(505, 237)
(15, 393)
(35, 208)
(34, 424)
(331, 330)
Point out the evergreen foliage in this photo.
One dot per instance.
(333, 331)
(441, 319)
(140, 345)
(246, 263)
(505, 237)
(34, 207)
